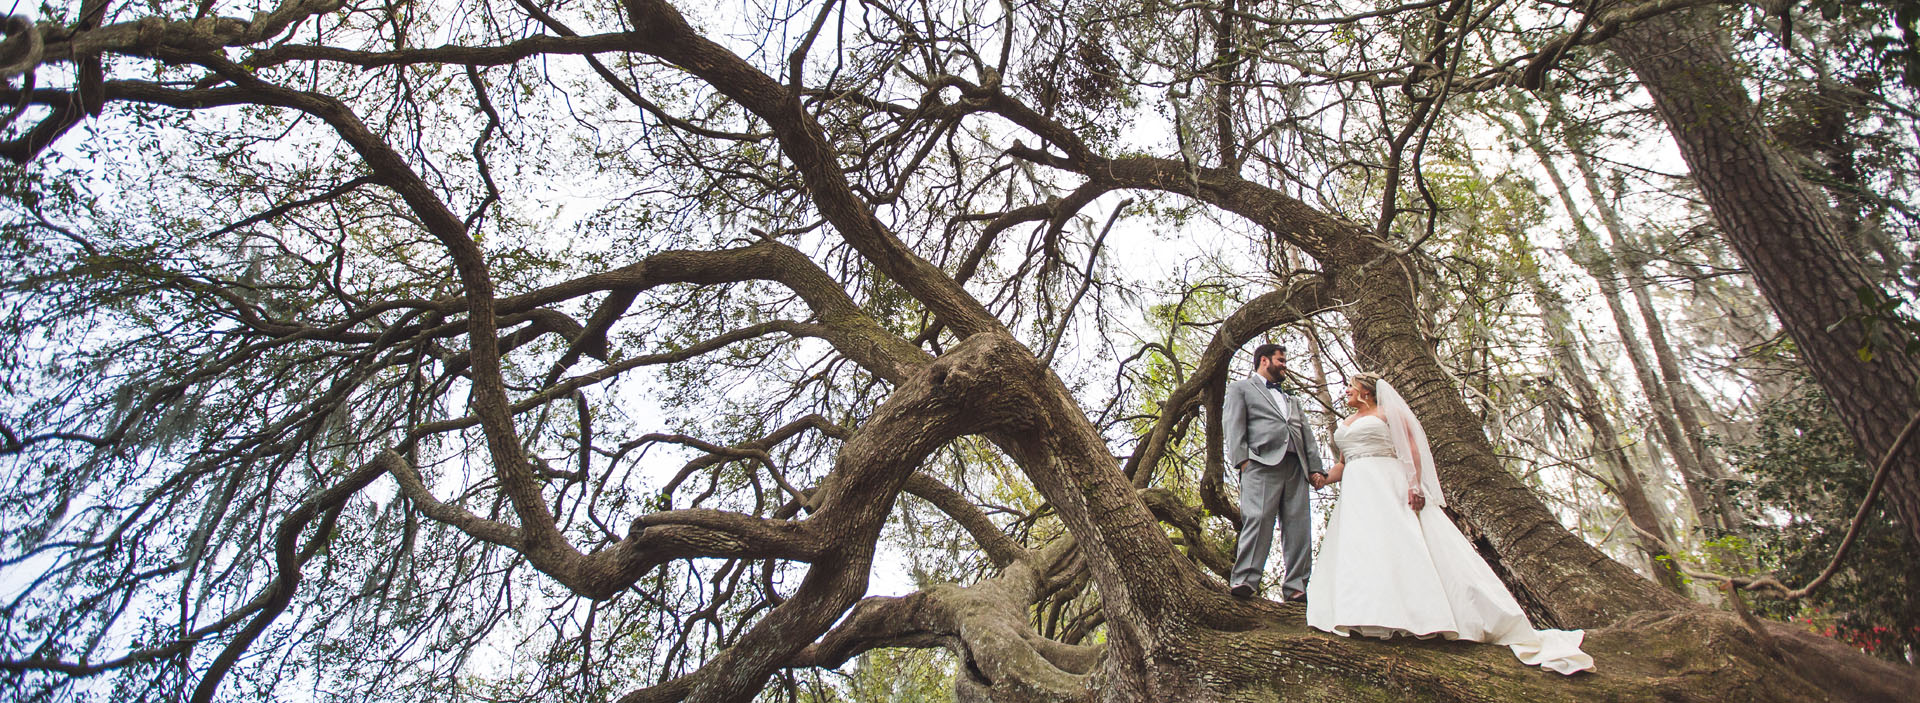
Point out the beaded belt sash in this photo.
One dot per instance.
(1365, 455)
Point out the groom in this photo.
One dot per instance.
(1270, 442)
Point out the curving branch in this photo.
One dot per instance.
(1000, 548)
(984, 625)
(981, 384)
(454, 55)
(289, 557)
(757, 449)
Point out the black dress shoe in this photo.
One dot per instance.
(1242, 591)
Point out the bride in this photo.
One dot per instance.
(1388, 567)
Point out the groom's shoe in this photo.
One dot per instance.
(1296, 597)
(1242, 591)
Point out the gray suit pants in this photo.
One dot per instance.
(1268, 493)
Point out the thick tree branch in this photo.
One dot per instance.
(982, 384)
(1193, 530)
(454, 55)
(984, 625)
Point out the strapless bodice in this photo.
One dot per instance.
(1364, 437)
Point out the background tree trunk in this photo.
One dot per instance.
(1782, 230)
(1587, 252)
(1652, 534)
(1676, 389)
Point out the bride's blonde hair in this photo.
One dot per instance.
(1367, 380)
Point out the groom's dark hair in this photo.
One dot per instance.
(1263, 351)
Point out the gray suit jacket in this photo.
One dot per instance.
(1257, 430)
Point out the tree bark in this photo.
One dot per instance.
(1784, 232)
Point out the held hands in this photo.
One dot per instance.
(1320, 481)
(1415, 499)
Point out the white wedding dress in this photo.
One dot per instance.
(1385, 569)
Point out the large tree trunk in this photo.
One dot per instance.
(1782, 230)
